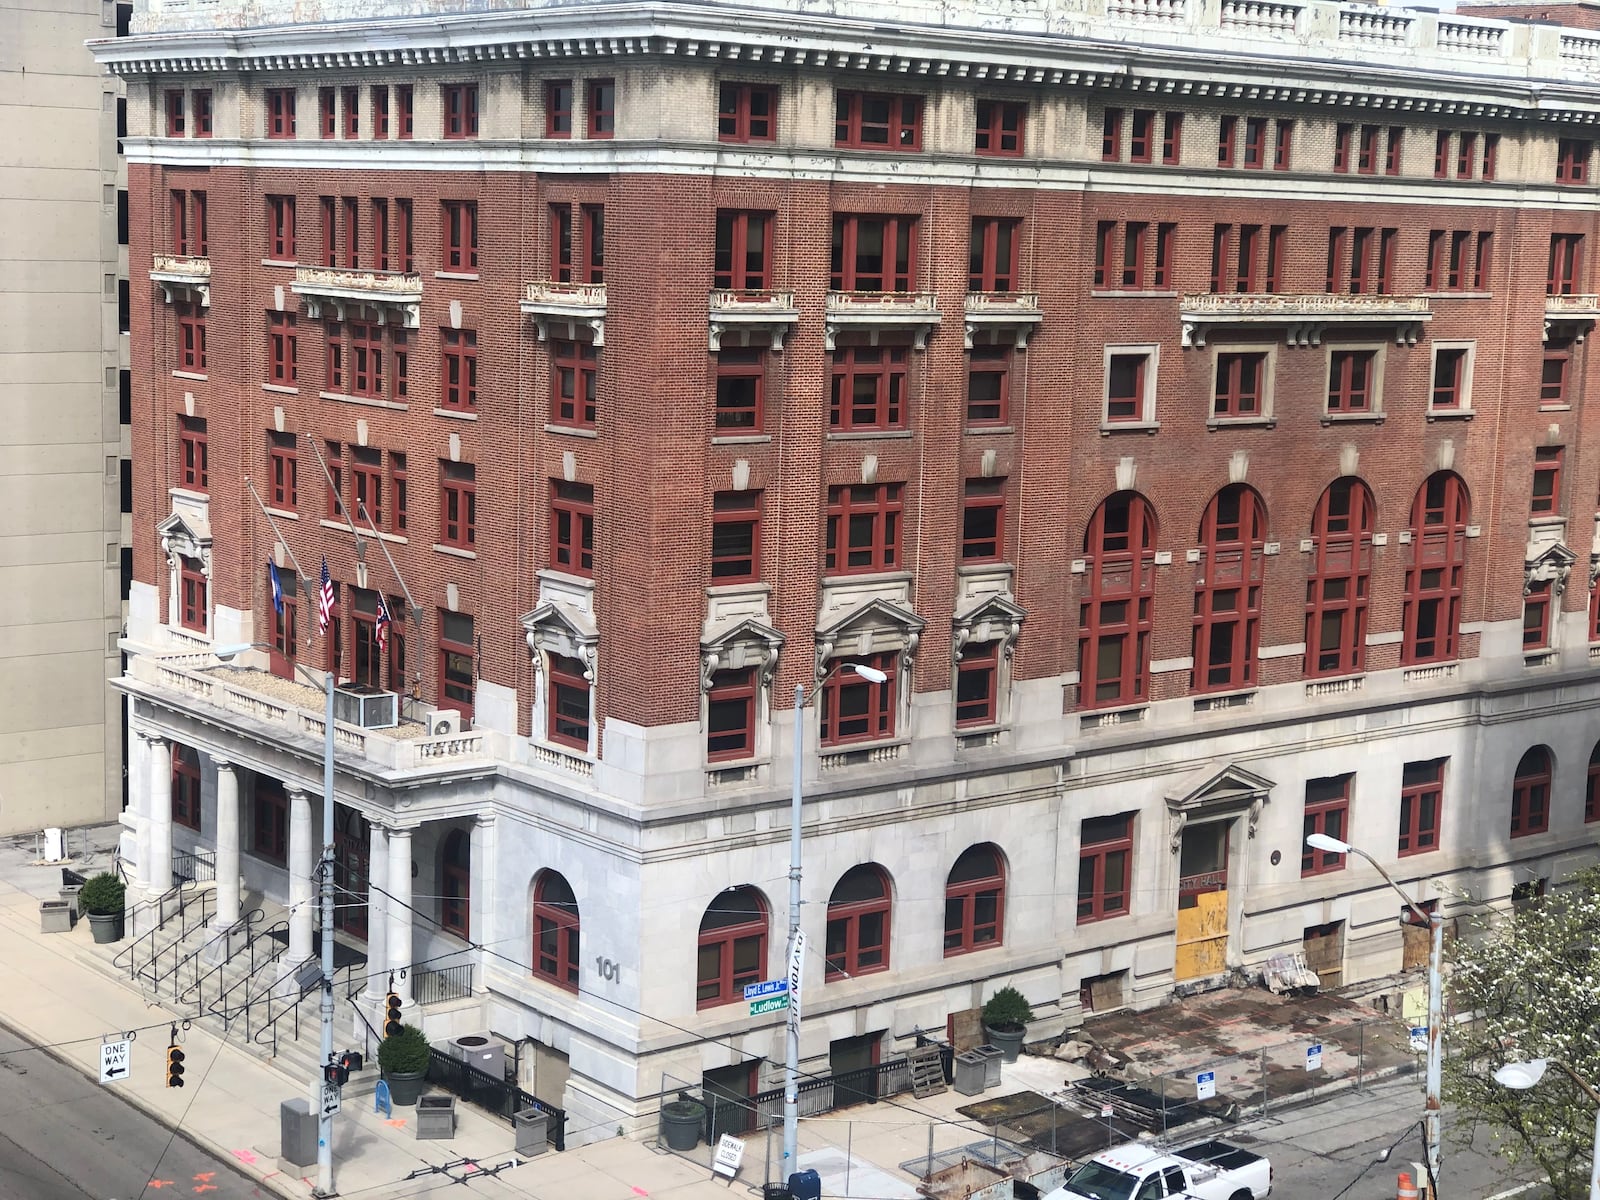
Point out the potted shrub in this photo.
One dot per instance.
(681, 1120)
(403, 1060)
(1005, 1021)
(101, 900)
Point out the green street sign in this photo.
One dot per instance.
(769, 1004)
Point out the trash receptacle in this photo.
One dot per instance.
(532, 1128)
(993, 1056)
(776, 1191)
(970, 1067)
(806, 1185)
(436, 1118)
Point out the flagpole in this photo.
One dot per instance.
(338, 500)
(305, 580)
(416, 609)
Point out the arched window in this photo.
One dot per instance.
(1530, 794)
(455, 884)
(975, 901)
(858, 923)
(1227, 591)
(1115, 613)
(1591, 793)
(1434, 574)
(733, 947)
(555, 931)
(1336, 593)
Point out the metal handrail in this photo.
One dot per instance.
(129, 954)
(150, 973)
(246, 925)
(218, 1007)
(197, 955)
(290, 1006)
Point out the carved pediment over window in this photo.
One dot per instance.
(1552, 565)
(556, 628)
(186, 535)
(994, 618)
(737, 645)
(1213, 792)
(877, 626)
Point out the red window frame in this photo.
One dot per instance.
(556, 931)
(192, 589)
(1572, 160)
(1240, 385)
(1491, 153)
(731, 715)
(736, 537)
(458, 374)
(1327, 811)
(574, 376)
(858, 924)
(363, 359)
(567, 711)
(1255, 143)
(870, 387)
(877, 121)
(352, 232)
(561, 243)
(329, 208)
(558, 96)
(983, 521)
(1227, 136)
(1536, 616)
(1367, 151)
(459, 105)
(732, 947)
(380, 112)
(194, 470)
(746, 112)
(1000, 128)
(994, 254)
(200, 100)
(1449, 378)
(853, 708)
(350, 105)
(405, 111)
(592, 219)
(175, 119)
(741, 260)
(1343, 146)
(380, 233)
(1105, 867)
(1227, 594)
(977, 688)
(1545, 497)
(458, 505)
(1171, 138)
(600, 108)
(280, 228)
(1565, 272)
(1553, 375)
(327, 112)
(1530, 794)
(366, 481)
(1421, 806)
(280, 112)
(572, 528)
(1441, 154)
(1141, 136)
(1431, 613)
(1338, 587)
(988, 385)
(269, 820)
(1591, 791)
(397, 510)
(975, 901)
(741, 390)
(863, 528)
(853, 267)
(1466, 155)
(404, 226)
(455, 884)
(1393, 145)
(191, 340)
(1282, 145)
(458, 666)
(283, 463)
(335, 491)
(1111, 135)
(1115, 612)
(186, 787)
(460, 235)
(1352, 380)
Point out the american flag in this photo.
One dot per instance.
(325, 599)
(381, 630)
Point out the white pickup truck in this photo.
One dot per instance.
(1136, 1171)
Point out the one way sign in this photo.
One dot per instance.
(115, 1058)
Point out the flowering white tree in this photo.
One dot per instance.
(1531, 979)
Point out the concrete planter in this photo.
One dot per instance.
(55, 916)
(436, 1118)
(106, 927)
(405, 1087)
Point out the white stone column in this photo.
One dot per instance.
(400, 910)
(227, 843)
(158, 876)
(482, 908)
(137, 816)
(378, 916)
(302, 860)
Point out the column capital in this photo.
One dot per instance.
(485, 820)
(297, 794)
(222, 764)
(153, 738)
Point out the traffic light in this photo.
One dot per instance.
(174, 1066)
(391, 1015)
(336, 1073)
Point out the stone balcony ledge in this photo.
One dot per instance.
(183, 277)
(1302, 316)
(1575, 313)
(556, 302)
(917, 312)
(993, 312)
(395, 297)
(742, 312)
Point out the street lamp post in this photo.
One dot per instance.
(1431, 1114)
(791, 1064)
(1521, 1076)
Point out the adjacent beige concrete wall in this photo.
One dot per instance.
(60, 443)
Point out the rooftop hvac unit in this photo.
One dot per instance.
(481, 1050)
(356, 704)
(444, 722)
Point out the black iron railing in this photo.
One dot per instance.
(499, 1096)
(866, 1085)
(447, 983)
(194, 866)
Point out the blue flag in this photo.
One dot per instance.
(277, 587)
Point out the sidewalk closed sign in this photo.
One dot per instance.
(1314, 1057)
(1205, 1085)
(729, 1155)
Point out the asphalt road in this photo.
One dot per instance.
(66, 1137)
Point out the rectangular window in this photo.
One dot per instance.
(380, 234)
(283, 349)
(852, 708)
(731, 715)
(458, 382)
(874, 254)
(191, 337)
(185, 787)
(574, 368)
(1239, 384)
(983, 521)
(1449, 377)
(352, 112)
(572, 528)
(989, 385)
(869, 388)
(352, 232)
(1441, 154)
(602, 108)
(460, 104)
(405, 224)
(192, 606)
(1000, 128)
(1227, 136)
(594, 243)
(1171, 138)
(327, 113)
(1282, 145)
(1105, 867)
(1343, 147)
(1572, 160)
(1360, 260)
(863, 532)
(1546, 497)
(1134, 238)
(1255, 143)
(1466, 155)
(1351, 380)
(978, 686)
(284, 463)
(993, 253)
(328, 207)
(561, 243)
(361, 358)
(280, 112)
(1367, 150)
(1388, 254)
(869, 121)
(1126, 376)
(405, 111)
(194, 469)
(461, 235)
(1394, 142)
(1111, 135)
(741, 261)
(380, 112)
(746, 113)
(202, 112)
(366, 478)
(558, 108)
(736, 537)
(175, 123)
(1421, 805)
(568, 723)
(458, 505)
(179, 208)
(397, 522)
(741, 387)
(1491, 154)
(1566, 264)
(1245, 278)
(269, 832)
(1165, 233)
(1535, 620)
(1553, 377)
(1328, 813)
(458, 669)
(1141, 139)
(333, 458)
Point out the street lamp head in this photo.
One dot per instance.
(229, 653)
(1328, 845)
(1522, 1075)
(870, 674)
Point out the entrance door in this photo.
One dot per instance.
(853, 1064)
(1203, 901)
(352, 846)
(730, 1099)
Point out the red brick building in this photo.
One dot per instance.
(1190, 425)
